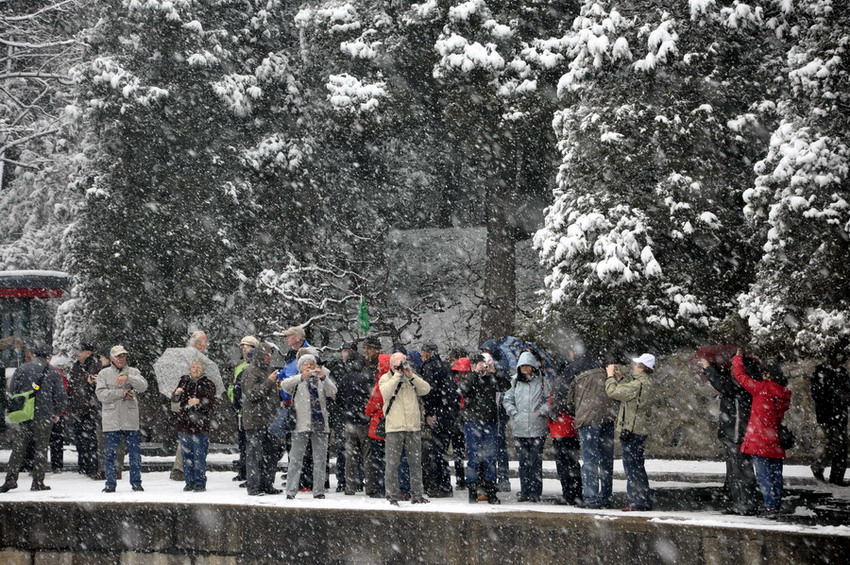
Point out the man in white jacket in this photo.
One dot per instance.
(117, 388)
(401, 389)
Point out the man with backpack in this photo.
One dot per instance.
(51, 400)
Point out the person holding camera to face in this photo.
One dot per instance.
(310, 388)
(401, 389)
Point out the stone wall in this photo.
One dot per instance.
(137, 534)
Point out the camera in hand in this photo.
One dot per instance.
(403, 366)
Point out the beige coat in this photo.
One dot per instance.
(119, 413)
(405, 414)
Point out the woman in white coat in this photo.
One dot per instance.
(310, 389)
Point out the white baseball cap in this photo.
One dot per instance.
(647, 360)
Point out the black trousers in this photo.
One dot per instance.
(85, 434)
(741, 486)
(263, 452)
(567, 455)
(834, 453)
(57, 445)
(435, 472)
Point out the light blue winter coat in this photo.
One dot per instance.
(525, 398)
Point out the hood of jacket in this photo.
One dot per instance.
(528, 358)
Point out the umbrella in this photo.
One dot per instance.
(174, 363)
(719, 355)
(510, 348)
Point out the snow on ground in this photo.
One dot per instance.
(221, 489)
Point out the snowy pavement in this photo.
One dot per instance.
(222, 490)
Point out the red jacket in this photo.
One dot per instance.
(562, 426)
(770, 402)
(375, 411)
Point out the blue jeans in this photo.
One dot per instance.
(134, 451)
(530, 454)
(597, 470)
(637, 487)
(482, 449)
(769, 476)
(194, 448)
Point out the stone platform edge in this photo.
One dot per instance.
(149, 534)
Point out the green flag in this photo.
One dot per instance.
(363, 316)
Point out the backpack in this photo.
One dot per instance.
(21, 406)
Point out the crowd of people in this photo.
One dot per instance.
(396, 422)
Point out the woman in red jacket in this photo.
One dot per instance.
(771, 399)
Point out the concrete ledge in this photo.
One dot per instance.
(147, 534)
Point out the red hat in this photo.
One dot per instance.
(463, 365)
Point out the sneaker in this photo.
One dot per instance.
(522, 498)
(319, 496)
(8, 485)
(97, 476)
(238, 478)
(272, 490)
(138, 488)
(290, 497)
(420, 500)
(256, 493)
(200, 489)
(188, 488)
(493, 499)
(243, 485)
(393, 501)
(108, 489)
(340, 488)
(177, 475)
(39, 486)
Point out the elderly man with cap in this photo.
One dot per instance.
(51, 400)
(84, 407)
(633, 424)
(234, 394)
(117, 389)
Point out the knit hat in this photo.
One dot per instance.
(304, 359)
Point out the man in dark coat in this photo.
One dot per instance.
(354, 386)
(831, 394)
(84, 407)
(441, 413)
(51, 401)
(735, 403)
(260, 402)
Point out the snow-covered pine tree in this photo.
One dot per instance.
(645, 238)
(799, 304)
(154, 247)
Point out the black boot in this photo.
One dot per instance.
(490, 489)
(473, 492)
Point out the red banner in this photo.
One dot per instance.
(31, 292)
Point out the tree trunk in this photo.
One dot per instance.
(499, 305)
